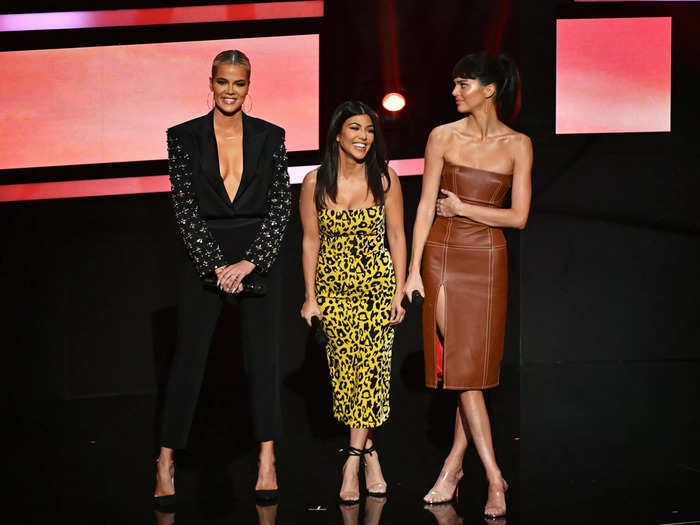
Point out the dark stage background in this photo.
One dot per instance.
(601, 362)
(91, 281)
(609, 296)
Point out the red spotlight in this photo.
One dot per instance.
(393, 102)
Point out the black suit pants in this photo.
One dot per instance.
(198, 312)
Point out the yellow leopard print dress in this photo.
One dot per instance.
(355, 284)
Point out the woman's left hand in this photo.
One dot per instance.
(398, 312)
(231, 276)
(449, 206)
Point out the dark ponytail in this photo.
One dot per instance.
(510, 89)
(501, 71)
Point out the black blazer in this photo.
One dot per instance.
(216, 231)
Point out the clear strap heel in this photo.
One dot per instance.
(378, 489)
(350, 498)
(436, 497)
(494, 512)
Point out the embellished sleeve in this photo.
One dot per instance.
(201, 245)
(265, 248)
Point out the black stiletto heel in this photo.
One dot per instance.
(366, 451)
(266, 497)
(351, 451)
(163, 502)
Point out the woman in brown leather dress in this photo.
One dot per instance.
(470, 165)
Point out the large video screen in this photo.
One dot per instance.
(613, 75)
(109, 104)
(161, 15)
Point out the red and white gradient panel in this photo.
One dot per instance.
(613, 75)
(152, 184)
(113, 103)
(160, 15)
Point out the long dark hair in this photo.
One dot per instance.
(499, 70)
(376, 167)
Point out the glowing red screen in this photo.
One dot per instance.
(113, 103)
(160, 15)
(613, 75)
(150, 184)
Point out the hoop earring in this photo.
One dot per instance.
(209, 105)
(248, 98)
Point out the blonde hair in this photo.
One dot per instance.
(233, 57)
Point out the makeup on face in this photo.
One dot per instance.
(230, 87)
(357, 136)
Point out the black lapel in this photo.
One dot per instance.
(253, 141)
(210, 157)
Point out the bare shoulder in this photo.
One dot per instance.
(521, 143)
(308, 185)
(439, 140)
(310, 178)
(393, 179)
(442, 134)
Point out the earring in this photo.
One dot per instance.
(250, 108)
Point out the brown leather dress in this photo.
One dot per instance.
(469, 260)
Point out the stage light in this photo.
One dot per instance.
(393, 102)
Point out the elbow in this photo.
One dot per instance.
(518, 218)
(310, 246)
(396, 237)
(520, 224)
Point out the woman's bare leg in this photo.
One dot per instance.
(474, 409)
(373, 470)
(267, 476)
(165, 471)
(350, 489)
(451, 471)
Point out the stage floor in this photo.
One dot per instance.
(91, 461)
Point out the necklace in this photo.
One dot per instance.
(233, 138)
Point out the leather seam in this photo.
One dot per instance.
(471, 248)
(488, 313)
(444, 287)
(492, 199)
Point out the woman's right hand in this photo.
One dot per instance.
(413, 283)
(310, 309)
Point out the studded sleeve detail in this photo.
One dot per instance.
(201, 245)
(265, 248)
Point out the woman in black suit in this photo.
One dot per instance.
(230, 191)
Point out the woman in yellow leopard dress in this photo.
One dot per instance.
(353, 283)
